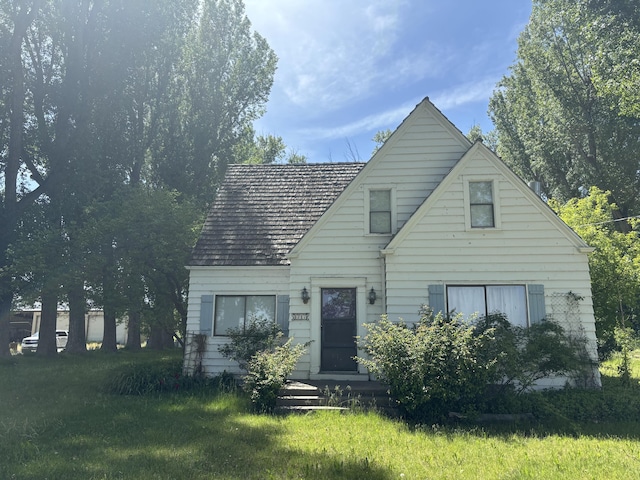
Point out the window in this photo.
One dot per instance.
(481, 204)
(509, 300)
(379, 211)
(236, 311)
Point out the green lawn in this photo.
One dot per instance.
(59, 422)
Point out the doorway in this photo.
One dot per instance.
(338, 330)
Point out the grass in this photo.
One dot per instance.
(58, 421)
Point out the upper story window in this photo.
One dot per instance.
(237, 311)
(380, 211)
(481, 204)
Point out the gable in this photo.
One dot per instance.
(262, 211)
(412, 162)
(518, 209)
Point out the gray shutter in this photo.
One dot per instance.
(283, 314)
(206, 314)
(537, 311)
(436, 299)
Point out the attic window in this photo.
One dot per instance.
(380, 211)
(481, 204)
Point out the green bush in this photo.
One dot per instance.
(267, 372)
(143, 378)
(258, 336)
(444, 364)
(435, 366)
(525, 355)
(257, 349)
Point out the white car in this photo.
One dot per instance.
(30, 344)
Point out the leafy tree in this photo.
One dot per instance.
(379, 138)
(225, 77)
(614, 265)
(555, 122)
(101, 97)
(616, 32)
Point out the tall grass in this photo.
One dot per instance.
(58, 420)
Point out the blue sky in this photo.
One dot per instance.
(349, 68)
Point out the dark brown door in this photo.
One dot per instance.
(338, 330)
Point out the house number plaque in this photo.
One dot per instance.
(299, 316)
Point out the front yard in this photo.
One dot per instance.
(58, 421)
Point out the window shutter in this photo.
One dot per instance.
(206, 314)
(283, 314)
(436, 299)
(537, 311)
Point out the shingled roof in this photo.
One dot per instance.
(262, 211)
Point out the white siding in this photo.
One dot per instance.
(227, 281)
(526, 249)
(341, 253)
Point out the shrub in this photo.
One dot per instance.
(258, 351)
(258, 336)
(526, 355)
(267, 372)
(435, 366)
(145, 378)
(446, 363)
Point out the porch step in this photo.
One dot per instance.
(308, 395)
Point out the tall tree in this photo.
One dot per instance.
(614, 265)
(225, 79)
(554, 124)
(101, 97)
(14, 199)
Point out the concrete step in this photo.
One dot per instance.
(309, 395)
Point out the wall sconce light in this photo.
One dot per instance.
(372, 296)
(305, 295)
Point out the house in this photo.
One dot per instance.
(432, 219)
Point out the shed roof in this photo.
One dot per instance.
(262, 211)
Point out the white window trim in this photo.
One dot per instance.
(497, 222)
(367, 211)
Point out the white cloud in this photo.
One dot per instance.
(476, 91)
(333, 53)
(371, 123)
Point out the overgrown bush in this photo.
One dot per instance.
(259, 335)
(267, 372)
(444, 364)
(525, 355)
(438, 364)
(146, 378)
(258, 350)
(143, 378)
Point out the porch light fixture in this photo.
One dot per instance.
(305, 295)
(372, 296)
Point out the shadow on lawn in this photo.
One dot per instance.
(189, 437)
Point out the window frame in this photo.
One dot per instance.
(525, 298)
(244, 315)
(368, 211)
(495, 205)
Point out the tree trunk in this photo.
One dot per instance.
(47, 346)
(109, 343)
(133, 331)
(77, 325)
(5, 316)
(159, 338)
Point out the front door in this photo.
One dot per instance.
(338, 330)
